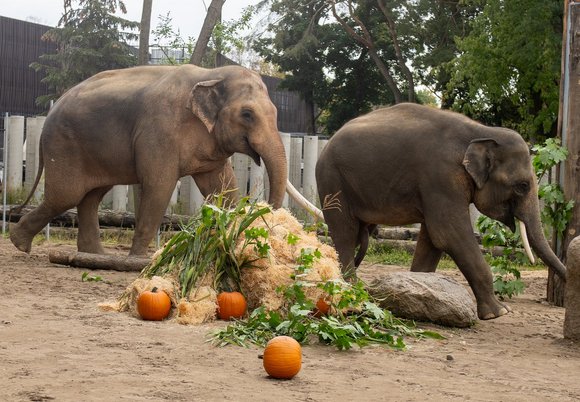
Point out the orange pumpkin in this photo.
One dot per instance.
(282, 357)
(322, 308)
(231, 305)
(153, 305)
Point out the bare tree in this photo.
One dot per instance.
(144, 30)
(213, 16)
(365, 39)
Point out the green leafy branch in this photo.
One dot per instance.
(357, 320)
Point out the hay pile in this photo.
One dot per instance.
(258, 282)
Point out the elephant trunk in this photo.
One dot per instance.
(530, 215)
(274, 158)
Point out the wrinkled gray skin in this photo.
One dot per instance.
(151, 125)
(415, 164)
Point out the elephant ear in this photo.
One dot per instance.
(479, 159)
(205, 102)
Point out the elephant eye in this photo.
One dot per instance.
(522, 188)
(248, 115)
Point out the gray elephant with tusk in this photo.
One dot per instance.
(416, 164)
(150, 125)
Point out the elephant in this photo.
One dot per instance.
(150, 125)
(414, 164)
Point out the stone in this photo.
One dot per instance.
(572, 292)
(422, 296)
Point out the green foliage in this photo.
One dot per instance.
(357, 320)
(207, 245)
(85, 277)
(508, 67)
(89, 40)
(557, 212)
(506, 275)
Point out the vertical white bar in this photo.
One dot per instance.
(310, 158)
(287, 141)
(295, 166)
(241, 164)
(15, 152)
(257, 181)
(119, 194)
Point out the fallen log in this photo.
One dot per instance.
(106, 218)
(98, 261)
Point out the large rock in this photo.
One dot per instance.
(572, 295)
(425, 297)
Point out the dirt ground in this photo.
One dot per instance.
(56, 344)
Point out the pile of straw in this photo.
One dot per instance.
(258, 282)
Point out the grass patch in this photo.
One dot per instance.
(383, 253)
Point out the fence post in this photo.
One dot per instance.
(295, 166)
(310, 158)
(190, 196)
(119, 195)
(241, 164)
(4, 176)
(15, 129)
(287, 141)
(34, 127)
(257, 181)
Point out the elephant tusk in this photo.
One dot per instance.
(526, 242)
(303, 202)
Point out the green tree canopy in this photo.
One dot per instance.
(90, 38)
(507, 71)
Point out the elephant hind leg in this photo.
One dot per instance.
(426, 256)
(88, 240)
(23, 232)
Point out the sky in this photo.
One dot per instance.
(187, 15)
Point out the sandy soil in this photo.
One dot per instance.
(56, 344)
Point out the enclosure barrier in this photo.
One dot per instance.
(21, 156)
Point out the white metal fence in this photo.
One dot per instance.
(20, 157)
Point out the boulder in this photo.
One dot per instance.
(572, 294)
(424, 296)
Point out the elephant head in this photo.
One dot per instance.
(237, 110)
(506, 188)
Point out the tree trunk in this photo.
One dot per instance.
(144, 30)
(570, 134)
(212, 17)
(98, 261)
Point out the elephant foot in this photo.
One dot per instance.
(491, 311)
(22, 241)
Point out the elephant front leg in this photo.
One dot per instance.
(454, 235)
(426, 255)
(154, 200)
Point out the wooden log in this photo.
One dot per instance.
(106, 218)
(98, 261)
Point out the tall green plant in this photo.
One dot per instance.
(557, 212)
(207, 244)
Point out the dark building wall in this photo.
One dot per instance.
(20, 85)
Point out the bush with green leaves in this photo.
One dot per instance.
(355, 320)
(207, 244)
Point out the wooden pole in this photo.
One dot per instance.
(570, 134)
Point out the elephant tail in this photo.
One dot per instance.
(363, 238)
(36, 181)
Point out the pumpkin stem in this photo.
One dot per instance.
(154, 290)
